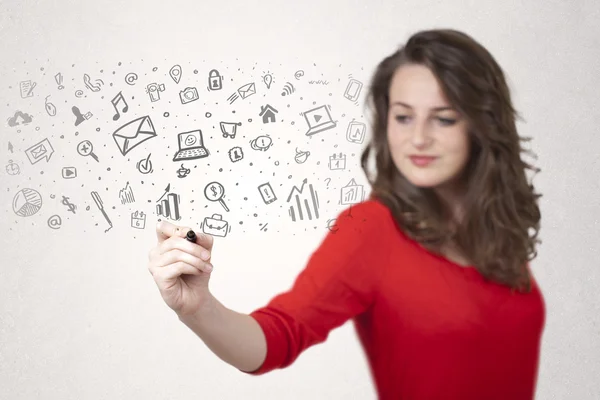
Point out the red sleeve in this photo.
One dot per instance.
(338, 283)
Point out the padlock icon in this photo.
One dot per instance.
(214, 80)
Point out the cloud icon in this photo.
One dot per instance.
(19, 116)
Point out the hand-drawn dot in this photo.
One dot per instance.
(76, 133)
(249, 119)
(18, 131)
(276, 162)
(42, 68)
(220, 169)
(301, 98)
(256, 215)
(241, 222)
(195, 71)
(41, 172)
(208, 115)
(289, 177)
(37, 128)
(62, 136)
(245, 198)
(154, 69)
(166, 114)
(119, 63)
(97, 129)
(343, 115)
(293, 122)
(330, 94)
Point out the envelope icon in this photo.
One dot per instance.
(134, 133)
(247, 90)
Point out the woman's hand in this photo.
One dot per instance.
(181, 269)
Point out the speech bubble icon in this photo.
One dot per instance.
(40, 150)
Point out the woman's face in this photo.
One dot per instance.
(421, 123)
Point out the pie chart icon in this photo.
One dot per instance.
(27, 202)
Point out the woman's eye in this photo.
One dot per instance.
(446, 121)
(400, 118)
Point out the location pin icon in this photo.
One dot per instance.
(175, 73)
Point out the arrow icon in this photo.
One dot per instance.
(167, 190)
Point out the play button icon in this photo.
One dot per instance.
(69, 172)
(318, 118)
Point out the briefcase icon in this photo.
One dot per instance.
(215, 226)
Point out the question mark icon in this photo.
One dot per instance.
(328, 180)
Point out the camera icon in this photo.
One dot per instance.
(188, 95)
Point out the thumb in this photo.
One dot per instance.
(205, 240)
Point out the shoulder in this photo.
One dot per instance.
(367, 216)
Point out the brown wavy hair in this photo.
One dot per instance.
(502, 220)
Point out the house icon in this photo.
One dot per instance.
(267, 113)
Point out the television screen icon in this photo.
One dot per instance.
(69, 172)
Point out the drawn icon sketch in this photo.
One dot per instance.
(353, 90)
(303, 202)
(244, 92)
(26, 88)
(100, 206)
(50, 107)
(182, 172)
(299, 74)
(169, 207)
(71, 207)
(215, 226)
(188, 95)
(10, 147)
(138, 220)
(94, 87)
(215, 80)
(115, 101)
(332, 225)
(288, 89)
(301, 156)
(85, 148)
(356, 132)
(236, 154)
(175, 73)
(27, 202)
(55, 222)
(79, 117)
(79, 94)
(267, 113)
(266, 192)
(134, 133)
(261, 143)
(126, 195)
(191, 146)
(20, 118)
(58, 78)
(229, 129)
(268, 79)
(352, 193)
(337, 161)
(130, 78)
(12, 168)
(40, 150)
(214, 191)
(145, 165)
(69, 172)
(318, 120)
(154, 89)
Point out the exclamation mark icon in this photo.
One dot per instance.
(59, 80)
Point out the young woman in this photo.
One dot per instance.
(433, 269)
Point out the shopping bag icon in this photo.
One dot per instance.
(215, 226)
(352, 193)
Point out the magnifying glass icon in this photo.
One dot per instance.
(86, 148)
(214, 191)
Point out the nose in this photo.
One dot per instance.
(421, 136)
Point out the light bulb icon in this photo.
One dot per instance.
(268, 79)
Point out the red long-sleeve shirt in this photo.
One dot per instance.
(431, 329)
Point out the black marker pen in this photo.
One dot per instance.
(191, 236)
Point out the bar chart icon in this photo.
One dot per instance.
(169, 207)
(304, 203)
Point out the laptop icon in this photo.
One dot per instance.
(191, 146)
(318, 120)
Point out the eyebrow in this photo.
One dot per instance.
(442, 108)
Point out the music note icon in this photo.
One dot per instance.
(115, 101)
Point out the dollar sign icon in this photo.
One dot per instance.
(72, 207)
(214, 190)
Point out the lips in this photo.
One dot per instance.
(421, 160)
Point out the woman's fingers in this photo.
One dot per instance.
(175, 242)
(165, 230)
(175, 255)
(174, 270)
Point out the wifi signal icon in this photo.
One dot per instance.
(288, 89)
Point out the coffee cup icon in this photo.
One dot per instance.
(183, 172)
